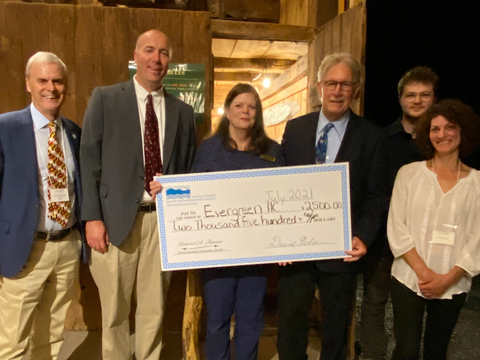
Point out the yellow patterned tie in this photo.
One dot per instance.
(57, 178)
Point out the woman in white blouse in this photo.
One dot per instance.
(434, 231)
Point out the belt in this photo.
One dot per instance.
(54, 235)
(147, 208)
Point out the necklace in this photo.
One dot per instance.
(458, 171)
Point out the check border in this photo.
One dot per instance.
(309, 169)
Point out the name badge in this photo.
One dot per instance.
(443, 237)
(58, 195)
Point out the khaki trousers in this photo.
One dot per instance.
(132, 269)
(33, 304)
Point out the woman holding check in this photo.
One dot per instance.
(434, 231)
(239, 143)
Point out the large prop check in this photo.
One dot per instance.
(254, 216)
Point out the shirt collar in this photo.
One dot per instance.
(39, 120)
(340, 125)
(142, 93)
(397, 128)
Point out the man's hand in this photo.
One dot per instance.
(97, 236)
(358, 250)
(285, 263)
(155, 187)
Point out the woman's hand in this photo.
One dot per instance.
(435, 285)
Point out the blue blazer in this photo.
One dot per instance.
(19, 188)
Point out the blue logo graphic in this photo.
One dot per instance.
(178, 193)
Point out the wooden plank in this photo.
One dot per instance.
(250, 48)
(265, 10)
(327, 10)
(34, 16)
(233, 77)
(295, 12)
(172, 23)
(13, 95)
(228, 29)
(192, 315)
(116, 51)
(199, 51)
(336, 34)
(89, 34)
(141, 21)
(223, 47)
(288, 78)
(62, 43)
(274, 65)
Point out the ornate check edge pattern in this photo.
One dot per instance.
(246, 174)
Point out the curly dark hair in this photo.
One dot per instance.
(260, 142)
(457, 113)
(419, 74)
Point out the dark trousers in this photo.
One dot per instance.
(227, 291)
(296, 292)
(408, 310)
(376, 288)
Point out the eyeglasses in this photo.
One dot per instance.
(332, 85)
(424, 96)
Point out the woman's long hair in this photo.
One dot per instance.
(259, 140)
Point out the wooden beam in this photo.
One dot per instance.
(289, 77)
(229, 29)
(272, 65)
(233, 77)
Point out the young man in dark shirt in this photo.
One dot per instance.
(417, 91)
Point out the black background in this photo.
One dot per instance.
(441, 34)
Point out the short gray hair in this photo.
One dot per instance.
(44, 57)
(331, 60)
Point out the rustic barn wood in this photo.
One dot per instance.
(265, 10)
(274, 65)
(228, 29)
(299, 12)
(345, 33)
(96, 44)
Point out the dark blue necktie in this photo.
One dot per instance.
(321, 149)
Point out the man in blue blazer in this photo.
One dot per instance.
(131, 132)
(40, 228)
(335, 134)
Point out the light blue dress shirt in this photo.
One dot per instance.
(335, 135)
(42, 132)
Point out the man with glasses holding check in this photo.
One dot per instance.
(335, 134)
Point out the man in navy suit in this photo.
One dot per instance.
(348, 138)
(40, 229)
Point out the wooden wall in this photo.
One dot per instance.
(96, 44)
(298, 12)
(296, 92)
(345, 33)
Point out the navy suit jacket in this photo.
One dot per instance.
(363, 148)
(19, 187)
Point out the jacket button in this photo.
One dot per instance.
(142, 177)
(137, 201)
